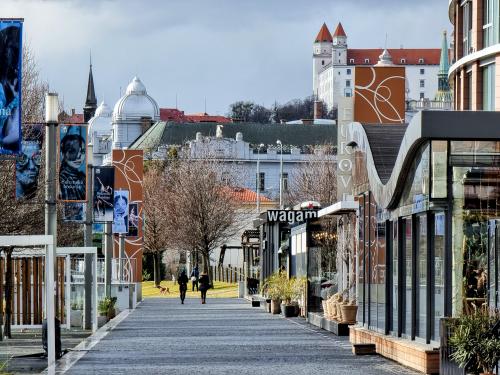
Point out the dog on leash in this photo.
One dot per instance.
(164, 290)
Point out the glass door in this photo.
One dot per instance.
(494, 263)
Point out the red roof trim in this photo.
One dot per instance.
(430, 56)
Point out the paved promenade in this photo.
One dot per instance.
(225, 336)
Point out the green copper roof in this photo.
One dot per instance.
(444, 64)
(163, 133)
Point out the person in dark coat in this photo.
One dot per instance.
(204, 286)
(183, 281)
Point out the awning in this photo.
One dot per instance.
(339, 208)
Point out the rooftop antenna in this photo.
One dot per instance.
(385, 47)
(90, 53)
(205, 105)
(176, 101)
(120, 92)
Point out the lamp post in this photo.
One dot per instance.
(278, 142)
(87, 312)
(258, 177)
(51, 122)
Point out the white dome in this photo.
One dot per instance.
(100, 123)
(103, 110)
(136, 103)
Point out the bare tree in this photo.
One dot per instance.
(155, 229)
(201, 214)
(315, 180)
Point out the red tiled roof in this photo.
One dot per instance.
(75, 118)
(430, 56)
(244, 195)
(171, 114)
(207, 118)
(339, 31)
(324, 35)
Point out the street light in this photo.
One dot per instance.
(258, 177)
(278, 142)
(51, 122)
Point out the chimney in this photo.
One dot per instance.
(318, 109)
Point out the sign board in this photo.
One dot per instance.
(104, 185)
(73, 163)
(291, 216)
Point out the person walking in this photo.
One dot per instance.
(204, 286)
(183, 281)
(195, 274)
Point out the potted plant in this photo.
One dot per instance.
(349, 312)
(473, 344)
(291, 290)
(273, 291)
(106, 308)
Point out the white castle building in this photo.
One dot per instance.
(131, 116)
(334, 63)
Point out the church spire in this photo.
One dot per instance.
(91, 100)
(444, 92)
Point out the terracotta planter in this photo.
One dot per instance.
(349, 313)
(275, 306)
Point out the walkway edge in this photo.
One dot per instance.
(75, 354)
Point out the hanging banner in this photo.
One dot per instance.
(28, 163)
(73, 163)
(74, 212)
(104, 185)
(120, 206)
(10, 86)
(133, 220)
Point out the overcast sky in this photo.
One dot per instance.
(221, 50)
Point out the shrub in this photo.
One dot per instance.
(106, 305)
(473, 343)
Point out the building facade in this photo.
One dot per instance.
(334, 63)
(475, 73)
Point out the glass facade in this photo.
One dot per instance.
(489, 87)
(463, 176)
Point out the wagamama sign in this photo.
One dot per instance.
(290, 216)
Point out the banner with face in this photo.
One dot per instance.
(10, 86)
(73, 163)
(120, 205)
(28, 163)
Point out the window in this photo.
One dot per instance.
(348, 72)
(438, 265)
(403, 61)
(367, 61)
(285, 181)
(422, 95)
(407, 286)
(421, 275)
(489, 87)
(322, 62)
(351, 61)
(422, 71)
(348, 83)
(467, 27)
(420, 60)
(261, 181)
(395, 278)
(225, 178)
(422, 83)
(348, 94)
(488, 9)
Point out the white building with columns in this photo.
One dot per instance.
(334, 63)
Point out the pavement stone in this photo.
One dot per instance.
(224, 336)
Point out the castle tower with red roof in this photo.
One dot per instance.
(339, 41)
(322, 54)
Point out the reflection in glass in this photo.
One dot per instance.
(439, 238)
(421, 307)
(408, 276)
(395, 253)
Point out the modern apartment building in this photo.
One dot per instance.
(476, 54)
